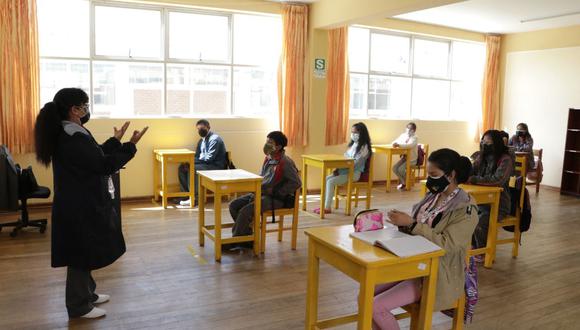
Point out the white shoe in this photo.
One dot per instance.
(94, 313)
(103, 298)
(185, 203)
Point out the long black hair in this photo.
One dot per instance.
(364, 137)
(449, 160)
(499, 148)
(49, 121)
(525, 127)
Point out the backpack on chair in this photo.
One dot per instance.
(26, 181)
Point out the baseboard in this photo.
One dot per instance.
(545, 187)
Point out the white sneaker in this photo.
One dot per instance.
(185, 203)
(103, 298)
(94, 313)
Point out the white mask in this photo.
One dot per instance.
(354, 136)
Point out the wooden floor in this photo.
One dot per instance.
(166, 281)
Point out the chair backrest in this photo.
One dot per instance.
(367, 174)
(538, 153)
(520, 167)
(425, 147)
(229, 163)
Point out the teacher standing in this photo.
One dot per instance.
(86, 230)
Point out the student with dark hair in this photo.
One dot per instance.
(279, 184)
(522, 142)
(210, 154)
(447, 217)
(493, 167)
(86, 231)
(360, 149)
(406, 140)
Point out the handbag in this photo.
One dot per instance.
(367, 220)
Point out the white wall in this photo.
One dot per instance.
(540, 87)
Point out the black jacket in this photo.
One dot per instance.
(86, 231)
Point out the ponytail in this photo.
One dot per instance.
(463, 170)
(449, 160)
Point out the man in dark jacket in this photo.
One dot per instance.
(279, 184)
(210, 154)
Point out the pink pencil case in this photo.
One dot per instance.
(367, 220)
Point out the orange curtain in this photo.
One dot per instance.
(19, 74)
(292, 78)
(338, 87)
(490, 86)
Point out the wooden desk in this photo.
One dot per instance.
(483, 195)
(389, 150)
(327, 162)
(162, 157)
(225, 182)
(369, 266)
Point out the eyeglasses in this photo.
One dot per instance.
(86, 107)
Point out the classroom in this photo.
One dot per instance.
(273, 164)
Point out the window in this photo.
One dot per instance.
(398, 76)
(153, 60)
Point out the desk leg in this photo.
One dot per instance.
(365, 300)
(155, 178)
(164, 182)
(257, 215)
(323, 191)
(304, 184)
(201, 210)
(428, 296)
(389, 165)
(312, 287)
(492, 233)
(408, 182)
(217, 202)
(192, 182)
(349, 189)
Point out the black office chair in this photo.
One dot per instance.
(24, 221)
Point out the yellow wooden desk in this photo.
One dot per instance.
(225, 182)
(483, 195)
(162, 157)
(327, 163)
(369, 266)
(389, 150)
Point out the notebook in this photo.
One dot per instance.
(396, 242)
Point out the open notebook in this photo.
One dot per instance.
(396, 242)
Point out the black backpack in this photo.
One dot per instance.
(26, 181)
(526, 216)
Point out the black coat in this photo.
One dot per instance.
(86, 231)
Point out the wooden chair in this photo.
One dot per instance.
(514, 220)
(365, 182)
(280, 213)
(412, 311)
(416, 169)
(535, 177)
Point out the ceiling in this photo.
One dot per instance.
(501, 16)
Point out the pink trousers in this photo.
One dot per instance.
(390, 296)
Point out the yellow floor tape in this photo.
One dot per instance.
(199, 258)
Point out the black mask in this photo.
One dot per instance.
(85, 118)
(437, 185)
(521, 133)
(202, 132)
(487, 148)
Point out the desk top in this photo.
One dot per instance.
(388, 146)
(328, 157)
(337, 238)
(473, 188)
(224, 176)
(174, 151)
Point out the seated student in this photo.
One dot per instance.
(210, 154)
(522, 142)
(493, 167)
(279, 184)
(405, 140)
(359, 148)
(446, 216)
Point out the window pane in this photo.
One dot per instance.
(255, 92)
(358, 95)
(389, 97)
(127, 32)
(468, 61)
(198, 89)
(465, 100)
(54, 28)
(431, 58)
(257, 40)
(430, 99)
(122, 89)
(389, 53)
(199, 37)
(57, 74)
(358, 49)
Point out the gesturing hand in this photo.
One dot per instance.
(137, 135)
(119, 133)
(399, 218)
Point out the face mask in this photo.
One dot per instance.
(269, 149)
(437, 185)
(354, 136)
(487, 148)
(85, 118)
(202, 132)
(521, 133)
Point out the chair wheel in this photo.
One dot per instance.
(13, 233)
(42, 229)
(1, 228)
